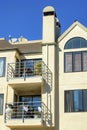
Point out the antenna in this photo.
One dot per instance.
(10, 36)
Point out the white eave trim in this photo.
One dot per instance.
(70, 28)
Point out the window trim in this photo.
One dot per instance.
(72, 52)
(81, 45)
(83, 110)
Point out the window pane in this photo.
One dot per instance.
(77, 61)
(83, 43)
(26, 99)
(2, 66)
(68, 62)
(36, 98)
(69, 101)
(76, 42)
(69, 45)
(35, 101)
(78, 100)
(85, 100)
(1, 103)
(84, 61)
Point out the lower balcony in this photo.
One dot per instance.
(26, 114)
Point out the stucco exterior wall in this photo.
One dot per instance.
(10, 57)
(71, 81)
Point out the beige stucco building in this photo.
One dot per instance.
(43, 83)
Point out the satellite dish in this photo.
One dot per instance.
(12, 40)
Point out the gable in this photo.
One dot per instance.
(75, 30)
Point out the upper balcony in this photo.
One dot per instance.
(28, 73)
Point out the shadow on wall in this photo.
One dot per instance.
(48, 114)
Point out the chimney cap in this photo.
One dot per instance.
(48, 9)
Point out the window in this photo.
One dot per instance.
(30, 64)
(34, 100)
(1, 103)
(2, 67)
(76, 42)
(75, 61)
(76, 100)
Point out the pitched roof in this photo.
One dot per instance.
(5, 45)
(29, 47)
(22, 48)
(70, 28)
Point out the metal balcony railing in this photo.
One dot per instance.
(26, 110)
(21, 69)
(25, 70)
(47, 74)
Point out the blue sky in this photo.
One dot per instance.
(24, 17)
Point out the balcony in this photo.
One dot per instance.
(20, 73)
(26, 114)
(32, 72)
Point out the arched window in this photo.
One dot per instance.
(75, 61)
(76, 42)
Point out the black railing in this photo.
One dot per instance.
(26, 110)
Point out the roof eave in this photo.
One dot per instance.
(9, 49)
(23, 52)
